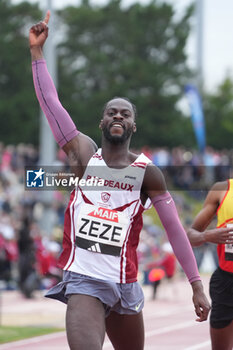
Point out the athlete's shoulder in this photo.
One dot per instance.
(221, 185)
(216, 193)
(154, 179)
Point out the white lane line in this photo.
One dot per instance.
(199, 346)
(169, 328)
(162, 330)
(164, 313)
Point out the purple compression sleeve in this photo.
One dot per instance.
(59, 120)
(168, 215)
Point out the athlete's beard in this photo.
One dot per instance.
(117, 139)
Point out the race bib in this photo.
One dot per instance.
(229, 248)
(101, 230)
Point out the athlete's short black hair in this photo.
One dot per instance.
(123, 98)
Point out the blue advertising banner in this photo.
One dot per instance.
(197, 115)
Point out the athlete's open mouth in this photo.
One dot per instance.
(117, 125)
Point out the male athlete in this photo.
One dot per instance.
(101, 229)
(219, 201)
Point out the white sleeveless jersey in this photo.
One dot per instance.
(103, 222)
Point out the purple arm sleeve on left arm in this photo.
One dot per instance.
(61, 124)
(168, 215)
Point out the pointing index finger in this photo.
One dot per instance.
(47, 16)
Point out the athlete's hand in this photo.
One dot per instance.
(201, 304)
(39, 32)
(219, 235)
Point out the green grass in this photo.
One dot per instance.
(11, 333)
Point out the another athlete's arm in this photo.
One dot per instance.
(198, 234)
(155, 187)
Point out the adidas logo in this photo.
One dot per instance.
(95, 248)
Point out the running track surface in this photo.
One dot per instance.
(169, 320)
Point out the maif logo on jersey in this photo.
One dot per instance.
(106, 214)
(35, 178)
(101, 230)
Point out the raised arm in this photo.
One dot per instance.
(198, 233)
(77, 146)
(155, 187)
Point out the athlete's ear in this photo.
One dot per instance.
(100, 124)
(134, 127)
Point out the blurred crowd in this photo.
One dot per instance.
(29, 246)
(28, 252)
(191, 170)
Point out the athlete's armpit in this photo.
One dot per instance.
(79, 151)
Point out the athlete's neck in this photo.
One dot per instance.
(116, 155)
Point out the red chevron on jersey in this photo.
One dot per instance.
(139, 164)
